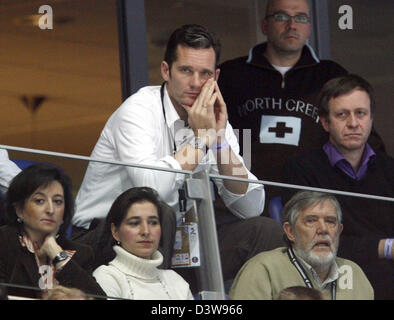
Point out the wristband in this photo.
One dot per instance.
(387, 248)
(222, 146)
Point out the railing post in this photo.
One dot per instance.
(200, 189)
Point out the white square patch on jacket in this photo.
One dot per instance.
(283, 130)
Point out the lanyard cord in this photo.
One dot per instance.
(299, 268)
(162, 100)
(164, 114)
(304, 276)
(181, 192)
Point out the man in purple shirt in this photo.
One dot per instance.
(347, 118)
(347, 163)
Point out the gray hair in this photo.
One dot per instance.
(305, 199)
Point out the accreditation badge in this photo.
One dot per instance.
(187, 246)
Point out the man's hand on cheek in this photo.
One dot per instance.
(220, 110)
(201, 116)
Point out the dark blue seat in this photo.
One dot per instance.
(275, 209)
(22, 164)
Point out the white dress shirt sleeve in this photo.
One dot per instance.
(8, 170)
(250, 204)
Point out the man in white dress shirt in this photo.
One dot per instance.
(180, 125)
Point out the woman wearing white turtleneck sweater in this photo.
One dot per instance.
(133, 223)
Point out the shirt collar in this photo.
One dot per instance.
(335, 157)
(171, 114)
(368, 154)
(26, 242)
(175, 123)
(333, 154)
(256, 56)
(332, 275)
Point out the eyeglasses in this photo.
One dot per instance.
(284, 17)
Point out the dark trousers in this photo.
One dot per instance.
(242, 240)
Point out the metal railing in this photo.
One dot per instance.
(199, 189)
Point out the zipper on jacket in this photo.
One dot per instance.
(283, 82)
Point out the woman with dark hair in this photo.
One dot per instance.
(133, 231)
(34, 250)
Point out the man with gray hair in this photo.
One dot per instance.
(312, 224)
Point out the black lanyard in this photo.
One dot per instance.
(304, 276)
(162, 100)
(164, 113)
(181, 192)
